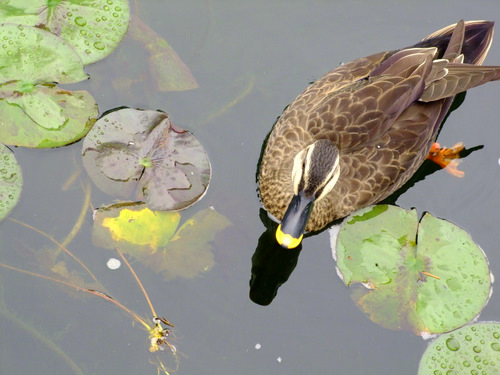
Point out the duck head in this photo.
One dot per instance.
(315, 172)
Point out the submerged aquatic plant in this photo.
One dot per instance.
(159, 329)
(168, 72)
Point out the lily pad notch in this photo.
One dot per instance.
(140, 152)
(433, 283)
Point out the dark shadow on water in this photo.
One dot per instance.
(272, 265)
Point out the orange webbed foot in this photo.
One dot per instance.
(447, 157)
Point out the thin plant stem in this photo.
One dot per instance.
(160, 367)
(36, 333)
(86, 187)
(58, 245)
(81, 217)
(226, 107)
(91, 291)
(71, 179)
(138, 281)
(45, 340)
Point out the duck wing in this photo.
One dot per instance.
(337, 79)
(358, 114)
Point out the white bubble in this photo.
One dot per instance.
(258, 346)
(113, 264)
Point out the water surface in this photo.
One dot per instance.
(270, 51)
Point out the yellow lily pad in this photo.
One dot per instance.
(148, 236)
(134, 226)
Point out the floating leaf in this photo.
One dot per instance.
(473, 349)
(77, 109)
(147, 236)
(11, 181)
(140, 150)
(34, 112)
(431, 284)
(189, 253)
(133, 227)
(95, 28)
(168, 71)
(30, 56)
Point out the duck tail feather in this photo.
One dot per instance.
(477, 38)
(459, 78)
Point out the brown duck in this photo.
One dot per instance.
(360, 132)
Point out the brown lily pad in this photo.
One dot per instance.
(142, 152)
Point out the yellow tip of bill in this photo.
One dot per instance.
(287, 241)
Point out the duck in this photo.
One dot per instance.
(358, 133)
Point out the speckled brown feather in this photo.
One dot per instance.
(382, 130)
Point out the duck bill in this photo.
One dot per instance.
(291, 230)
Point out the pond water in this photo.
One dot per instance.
(250, 60)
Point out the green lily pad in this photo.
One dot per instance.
(30, 56)
(133, 227)
(11, 181)
(94, 27)
(26, 122)
(137, 150)
(33, 111)
(432, 283)
(473, 349)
